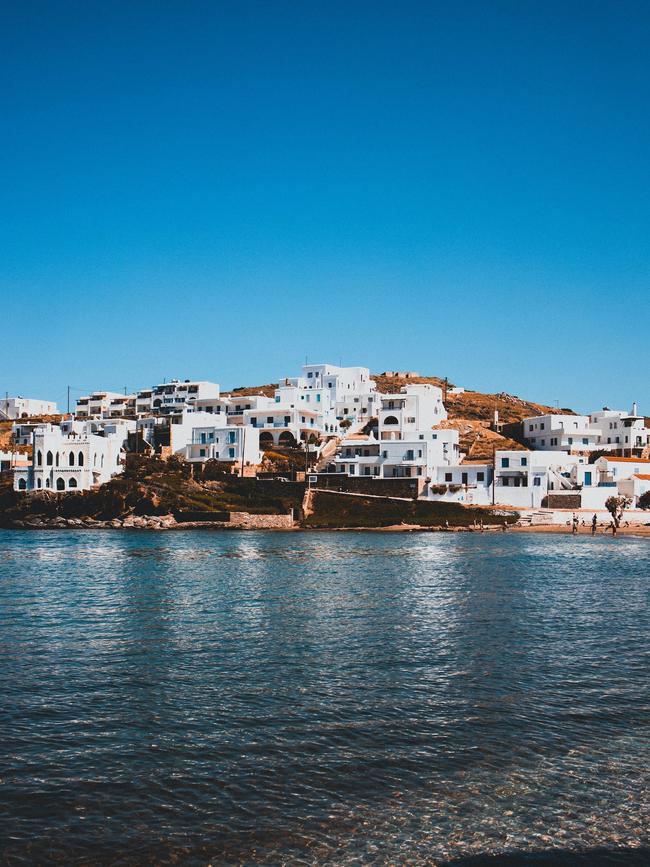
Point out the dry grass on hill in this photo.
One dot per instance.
(476, 439)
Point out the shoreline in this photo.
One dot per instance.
(638, 530)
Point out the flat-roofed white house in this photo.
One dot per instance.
(571, 433)
(170, 433)
(70, 459)
(174, 396)
(23, 407)
(469, 483)
(405, 445)
(522, 478)
(620, 430)
(635, 487)
(13, 460)
(282, 425)
(97, 404)
(235, 444)
(333, 392)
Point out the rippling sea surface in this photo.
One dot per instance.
(198, 697)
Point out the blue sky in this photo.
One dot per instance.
(218, 190)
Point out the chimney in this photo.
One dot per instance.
(496, 419)
(634, 408)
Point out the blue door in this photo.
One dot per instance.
(588, 478)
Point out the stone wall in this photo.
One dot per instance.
(261, 522)
(368, 485)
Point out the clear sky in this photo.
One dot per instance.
(220, 189)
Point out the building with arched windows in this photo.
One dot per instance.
(406, 442)
(73, 456)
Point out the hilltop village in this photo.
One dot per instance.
(342, 431)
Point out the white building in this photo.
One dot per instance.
(70, 458)
(282, 425)
(620, 430)
(466, 483)
(13, 460)
(174, 396)
(235, 444)
(172, 432)
(609, 430)
(634, 487)
(98, 404)
(332, 393)
(571, 433)
(522, 478)
(24, 407)
(405, 446)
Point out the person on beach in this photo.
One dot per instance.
(574, 525)
(594, 525)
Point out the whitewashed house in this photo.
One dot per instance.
(24, 407)
(467, 483)
(405, 445)
(570, 433)
(332, 392)
(174, 396)
(236, 444)
(282, 425)
(70, 458)
(170, 433)
(620, 430)
(96, 404)
(635, 487)
(522, 478)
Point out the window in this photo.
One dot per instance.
(71, 459)
(60, 484)
(537, 482)
(231, 453)
(22, 485)
(72, 483)
(480, 477)
(201, 453)
(570, 441)
(585, 441)
(505, 462)
(49, 459)
(524, 462)
(39, 459)
(391, 420)
(448, 477)
(80, 459)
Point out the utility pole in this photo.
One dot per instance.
(7, 405)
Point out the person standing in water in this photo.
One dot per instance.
(594, 525)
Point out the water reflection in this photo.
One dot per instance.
(320, 698)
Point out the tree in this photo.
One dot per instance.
(616, 506)
(345, 424)
(644, 500)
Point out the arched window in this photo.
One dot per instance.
(72, 483)
(47, 483)
(57, 459)
(39, 483)
(39, 458)
(71, 459)
(22, 485)
(80, 459)
(60, 484)
(49, 459)
(391, 420)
